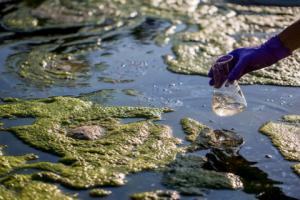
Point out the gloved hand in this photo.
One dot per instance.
(246, 60)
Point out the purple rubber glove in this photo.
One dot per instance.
(246, 60)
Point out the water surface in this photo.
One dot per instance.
(131, 54)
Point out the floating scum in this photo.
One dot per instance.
(221, 28)
(224, 28)
(62, 126)
(117, 149)
(285, 135)
(123, 148)
(45, 68)
(95, 161)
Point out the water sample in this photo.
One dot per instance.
(227, 100)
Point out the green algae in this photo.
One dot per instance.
(1, 147)
(58, 172)
(10, 163)
(187, 173)
(99, 193)
(191, 128)
(297, 168)
(9, 99)
(203, 137)
(23, 187)
(100, 96)
(187, 176)
(43, 68)
(156, 195)
(65, 13)
(245, 26)
(194, 51)
(21, 20)
(124, 149)
(111, 80)
(291, 118)
(285, 136)
(131, 92)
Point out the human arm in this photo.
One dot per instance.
(290, 37)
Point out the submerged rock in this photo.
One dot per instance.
(125, 148)
(285, 135)
(156, 195)
(186, 175)
(99, 193)
(86, 132)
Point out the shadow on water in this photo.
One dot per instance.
(255, 180)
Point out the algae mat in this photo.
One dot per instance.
(285, 135)
(119, 150)
(218, 28)
(223, 28)
(187, 173)
(122, 149)
(76, 48)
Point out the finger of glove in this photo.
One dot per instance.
(211, 82)
(237, 71)
(220, 75)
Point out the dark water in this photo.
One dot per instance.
(132, 54)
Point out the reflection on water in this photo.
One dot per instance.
(255, 180)
(131, 54)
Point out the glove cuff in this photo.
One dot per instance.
(276, 48)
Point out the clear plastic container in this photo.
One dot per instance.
(227, 100)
